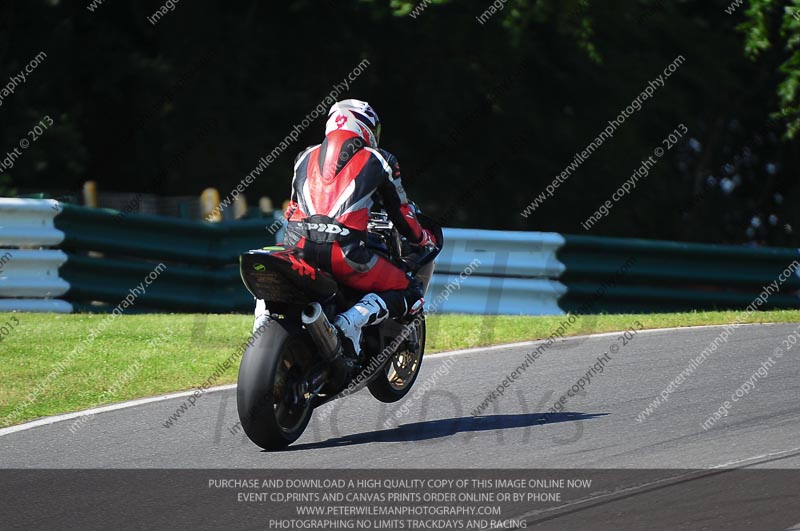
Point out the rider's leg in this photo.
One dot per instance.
(390, 293)
(370, 310)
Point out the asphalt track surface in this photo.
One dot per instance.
(598, 429)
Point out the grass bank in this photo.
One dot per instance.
(74, 365)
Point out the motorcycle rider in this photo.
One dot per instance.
(334, 188)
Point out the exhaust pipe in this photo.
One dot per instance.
(322, 331)
(325, 336)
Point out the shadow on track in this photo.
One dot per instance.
(434, 429)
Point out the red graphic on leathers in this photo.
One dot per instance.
(340, 121)
(302, 268)
(327, 187)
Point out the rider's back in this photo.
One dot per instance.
(338, 180)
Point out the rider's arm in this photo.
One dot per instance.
(395, 201)
(292, 207)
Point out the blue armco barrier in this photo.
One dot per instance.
(478, 272)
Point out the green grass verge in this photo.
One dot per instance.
(144, 355)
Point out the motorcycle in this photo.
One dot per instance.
(295, 362)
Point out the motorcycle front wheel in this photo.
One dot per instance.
(270, 396)
(401, 370)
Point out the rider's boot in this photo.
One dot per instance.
(370, 310)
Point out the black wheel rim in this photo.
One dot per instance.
(291, 402)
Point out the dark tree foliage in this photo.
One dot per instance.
(482, 115)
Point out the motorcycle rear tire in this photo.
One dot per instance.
(267, 421)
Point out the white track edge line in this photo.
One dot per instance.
(572, 338)
(46, 421)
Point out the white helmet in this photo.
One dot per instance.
(356, 116)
